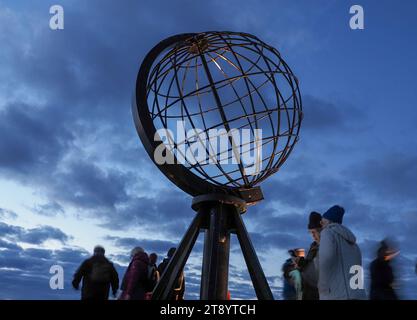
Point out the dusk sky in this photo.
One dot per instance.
(73, 172)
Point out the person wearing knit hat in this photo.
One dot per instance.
(334, 214)
(309, 265)
(338, 254)
(314, 225)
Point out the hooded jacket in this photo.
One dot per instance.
(135, 281)
(337, 255)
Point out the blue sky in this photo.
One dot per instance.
(73, 172)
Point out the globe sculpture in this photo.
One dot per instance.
(218, 113)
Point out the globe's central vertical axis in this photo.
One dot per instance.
(222, 188)
(222, 114)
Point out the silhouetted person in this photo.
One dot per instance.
(382, 275)
(153, 270)
(97, 274)
(309, 266)
(292, 289)
(337, 255)
(135, 282)
(179, 288)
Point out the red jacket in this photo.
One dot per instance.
(135, 280)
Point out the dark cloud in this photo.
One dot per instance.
(159, 246)
(33, 236)
(92, 187)
(169, 211)
(32, 140)
(391, 176)
(24, 273)
(49, 209)
(322, 116)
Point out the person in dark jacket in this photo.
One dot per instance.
(382, 275)
(97, 274)
(179, 289)
(154, 273)
(135, 282)
(309, 265)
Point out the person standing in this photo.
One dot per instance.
(153, 270)
(135, 282)
(292, 289)
(179, 288)
(339, 258)
(97, 274)
(309, 265)
(382, 275)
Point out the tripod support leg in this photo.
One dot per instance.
(263, 292)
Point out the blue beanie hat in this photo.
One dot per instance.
(335, 214)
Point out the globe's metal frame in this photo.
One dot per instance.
(219, 203)
(198, 50)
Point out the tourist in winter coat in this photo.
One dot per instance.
(97, 274)
(340, 260)
(135, 281)
(309, 266)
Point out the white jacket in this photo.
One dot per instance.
(338, 253)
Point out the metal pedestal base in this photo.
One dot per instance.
(217, 216)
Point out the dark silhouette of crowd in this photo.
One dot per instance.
(142, 275)
(331, 269)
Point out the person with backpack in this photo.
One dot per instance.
(179, 289)
(136, 282)
(309, 265)
(339, 258)
(97, 274)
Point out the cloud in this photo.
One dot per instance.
(32, 236)
(24, 273)
(322, 116)
(390, 176)
(7, 214)
(49, 209)
(159, 246)
(31, 140)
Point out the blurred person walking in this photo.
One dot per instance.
(382, 275)
(292, 289)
